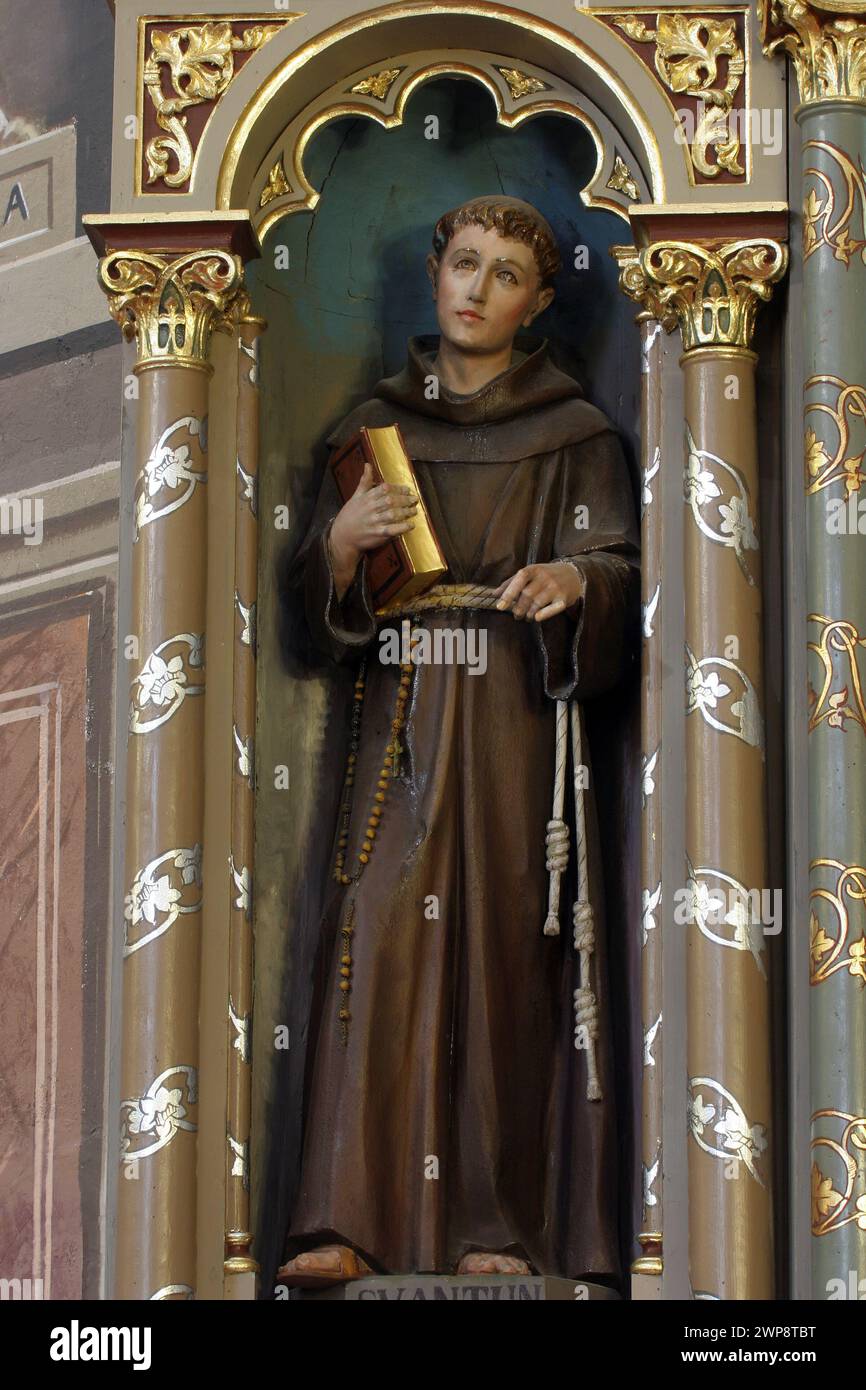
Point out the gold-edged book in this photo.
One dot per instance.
(404, 565)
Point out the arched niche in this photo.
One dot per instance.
(292, 70)
(616, 178)
(342, 284)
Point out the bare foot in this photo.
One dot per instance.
(480, 1262)
(326, 1264)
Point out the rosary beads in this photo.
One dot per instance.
(390, 763)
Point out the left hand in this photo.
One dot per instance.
(539, 592)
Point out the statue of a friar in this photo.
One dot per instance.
(459, 1098)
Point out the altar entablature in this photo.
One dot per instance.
(215, 94)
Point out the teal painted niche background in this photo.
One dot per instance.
(351, 290)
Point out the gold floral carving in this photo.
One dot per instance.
(277, 185)
(828, 51)
(171, 307)
(688, 50)
(825, 224)
(521, 84)
(847, 462)
(712, 293)
(634, 282)
(622, 181)
(199, 60)
(829, 705)
(832, 1209)
(836, 949)
(378, 85)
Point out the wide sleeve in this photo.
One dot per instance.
(587, 650)
(334, 628)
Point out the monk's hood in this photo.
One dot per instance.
(530, 408)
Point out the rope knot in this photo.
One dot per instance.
(557, 846)
(584, 927)
(585, 1016)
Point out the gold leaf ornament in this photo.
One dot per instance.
(621, 180)
(824, 1195)
(688, 49)
(829, 54)
(277, 185)
(200, 62)
(378, 85)
(521, 84)
(817, 457)
(820, 942)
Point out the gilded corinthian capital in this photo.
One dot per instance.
(170, 306)
(634, 283)
(826, 40)
(712, 293)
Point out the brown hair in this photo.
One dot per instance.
(511, 218)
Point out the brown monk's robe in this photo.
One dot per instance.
(460, 1046)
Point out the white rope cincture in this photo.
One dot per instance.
(557, 830)
(557, 840)
(481, 596)
(585, 1002)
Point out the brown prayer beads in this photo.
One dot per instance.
(390, 764)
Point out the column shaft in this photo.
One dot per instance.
(170, 299)
(165, 805)
(834, 347)
(652, 801)
(238, 1235)
(730, 1205)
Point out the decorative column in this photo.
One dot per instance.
(238, 1261)
(828, 47)
(169, 300)
(714, 290)
(650, 1236)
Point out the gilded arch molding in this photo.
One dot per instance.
(573, 52)
(281, 185)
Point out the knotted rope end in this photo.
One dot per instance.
(584, 927)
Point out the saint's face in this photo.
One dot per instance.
(487, 287)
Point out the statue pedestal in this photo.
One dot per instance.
(479, 1288)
